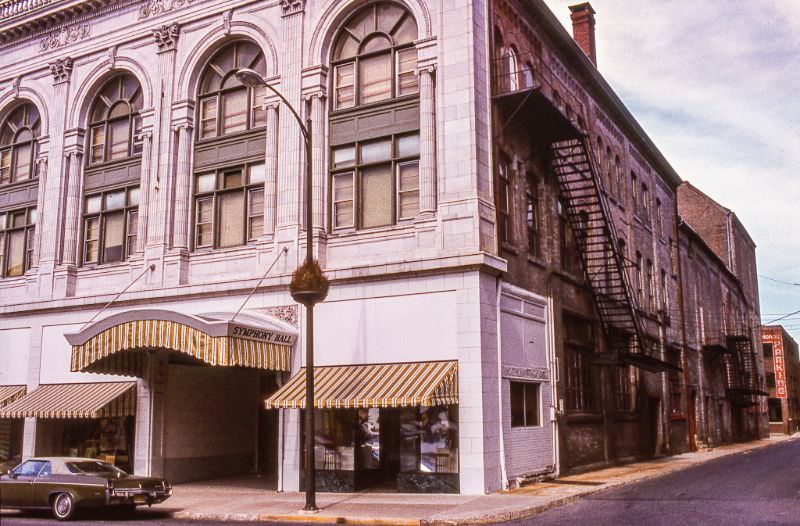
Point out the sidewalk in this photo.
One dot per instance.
(220, 502)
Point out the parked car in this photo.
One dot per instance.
(65, 484)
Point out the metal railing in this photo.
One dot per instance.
(13, 8)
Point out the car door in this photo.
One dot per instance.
(42, 486)
(17, 488)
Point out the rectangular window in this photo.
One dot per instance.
(578, 349)
(234, 111)
(110, 224)
(524, 404)
(345, 86)
(208, 117)
(97, 144)
(408, 190)
(532, 217)
(380, 185)
(343, 200)
(375, 78)
(17, 241)
(204, 220)
(376, 189)
(407, 82)
(133, 227)
(767, 347)
(504, 200)
(634, 193)
(22, 171)
(231, 213)
(646, 203)
(255, 214)
(623, 388)
(259, 117)
(118, 137)
(659, 220)
(770, 380)
(640, 280)
(229, 206)
(665, 302)
(651, 287)
(5, 166)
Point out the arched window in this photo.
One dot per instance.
(374, 58)
(512, 68)
(226, 105)
(114, 121)
(229, 167)
(18, 134)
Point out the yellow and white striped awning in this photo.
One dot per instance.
(382, 385)
(75, 401)
(9, 393)
(115, 346)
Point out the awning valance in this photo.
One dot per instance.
(380, 385)
(95, 400)
(9, 393)
(110, 345)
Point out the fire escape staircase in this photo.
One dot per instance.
(591, 222)
(741, 372)
(522, 99)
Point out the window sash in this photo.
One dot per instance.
(234, 110)
(231, 213)
(407, 190)
(376, 196)
(208, 117)
(255, 214)
(15, 253)
(343, 194)
(344, 87)
(132, 232)
(407, 80)
(5, 166)
(524, 402)
(375, 78)
(23, 161)
(204, 222)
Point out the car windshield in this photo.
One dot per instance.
(92, 467)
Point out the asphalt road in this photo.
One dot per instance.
(761, 487)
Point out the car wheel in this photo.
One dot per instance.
(63, 506)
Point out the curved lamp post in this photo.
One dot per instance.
(309, 286)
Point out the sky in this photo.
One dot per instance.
(716, 86)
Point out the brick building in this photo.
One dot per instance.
(782, 370)
(500, 234)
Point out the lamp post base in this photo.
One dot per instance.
(311, 511)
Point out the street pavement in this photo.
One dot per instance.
(758, 487)
(737, 484)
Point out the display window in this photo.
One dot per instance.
(412, 449)
(108, 439)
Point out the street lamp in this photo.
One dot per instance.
(309, 286)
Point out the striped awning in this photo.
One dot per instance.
(115, 345)
(382, 385)
(9, 393)
(75, 401)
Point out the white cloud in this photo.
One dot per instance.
(715, 85)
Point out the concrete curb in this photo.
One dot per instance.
(491, 518)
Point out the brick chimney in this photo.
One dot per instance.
(582, 16)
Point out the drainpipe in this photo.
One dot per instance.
(553, 364)
(503, 473)
(685, 362)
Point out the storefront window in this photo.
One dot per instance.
(107, 439)
(333, 440)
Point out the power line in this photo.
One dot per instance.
(779, 281)
(782, 317)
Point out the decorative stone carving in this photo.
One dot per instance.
(64, 36)
(15, 86)
(112, 56)
(226, 21)
(167, 37)
(156, 7)
(291, 7)
(61, 69)
(287, 313)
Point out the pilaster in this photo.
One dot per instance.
(271, 170)
(318, 114)
(427, 142)
(145, 188)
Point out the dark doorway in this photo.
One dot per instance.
(690, 407)
(267, 452)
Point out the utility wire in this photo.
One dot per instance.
(782, 317)
(779, 281)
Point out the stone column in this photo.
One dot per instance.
(54, 185)
(290, 139)
(271, 170)
(69, 255)
(182, 186)
(427, 143)
(318, 157)
(144, 191)
(166, 38)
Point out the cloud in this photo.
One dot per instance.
(715, 83)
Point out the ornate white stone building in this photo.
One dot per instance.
(468, 335)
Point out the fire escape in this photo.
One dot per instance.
(525, 96)
(741, 372)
